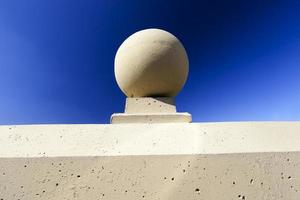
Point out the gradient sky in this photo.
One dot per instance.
(56, 58)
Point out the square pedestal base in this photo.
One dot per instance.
(119, 118)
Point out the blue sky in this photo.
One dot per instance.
(56, 58)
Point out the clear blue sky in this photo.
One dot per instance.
(56, 58)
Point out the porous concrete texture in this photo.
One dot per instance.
(151, 62)
(151, 161)
(258, 176)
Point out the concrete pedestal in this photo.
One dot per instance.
(150, 110)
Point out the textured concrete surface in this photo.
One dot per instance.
(259, 176)
(151, 161)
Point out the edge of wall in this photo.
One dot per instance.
(148, 139)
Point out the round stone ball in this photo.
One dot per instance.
(151, 63)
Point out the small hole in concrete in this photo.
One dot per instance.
(172, 178)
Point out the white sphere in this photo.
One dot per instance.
(151, 63)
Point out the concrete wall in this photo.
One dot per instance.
(151, 161)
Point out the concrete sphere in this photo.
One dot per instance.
(151, 63)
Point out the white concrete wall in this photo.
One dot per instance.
(148, 139)
(151, 161)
